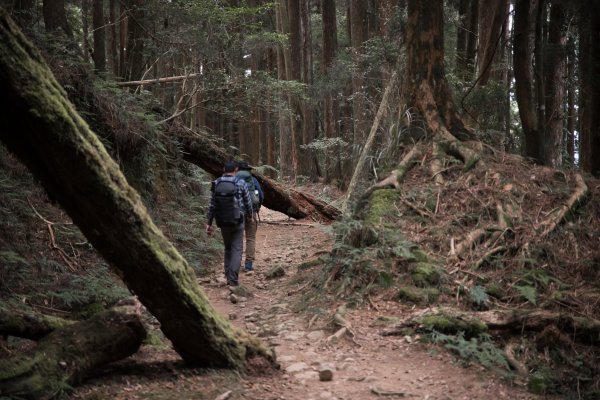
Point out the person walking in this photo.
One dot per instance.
(230, 205)
(251, 225)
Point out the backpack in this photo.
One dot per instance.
(227, 208)
(254, 197)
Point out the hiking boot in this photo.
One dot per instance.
(248, 267)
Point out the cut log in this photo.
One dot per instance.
(43, 129)
(64, 358)
(200, 150)
(29, 325)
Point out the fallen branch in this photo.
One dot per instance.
(169, 79)
(359, 169)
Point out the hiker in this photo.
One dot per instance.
(257, 196)
(230, 205)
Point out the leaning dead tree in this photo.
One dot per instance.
(65, 356)
(43, 129)
(200, 150)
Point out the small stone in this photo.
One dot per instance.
(232, 316)
(325, 373)
(63, 364)
(233, 298)
(315, 335)
(296, 367)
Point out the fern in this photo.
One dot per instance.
(477, 349)
(528, 292)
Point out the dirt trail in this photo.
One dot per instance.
(370, 367)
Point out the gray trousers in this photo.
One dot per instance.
(233, 239)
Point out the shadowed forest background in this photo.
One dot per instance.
(451, 149)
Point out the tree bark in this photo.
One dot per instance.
(286, 168)
(99, 35)
(358, 36)
(85, 43)
(55, 17)
(134, 53)
(425, 68)
(29, 325)
(66, 356)
(332, 152)
(524, 79)
(554, 70)
(492, 15)
(590, 90)
(113, 51)
(23, 12)
(76, 170)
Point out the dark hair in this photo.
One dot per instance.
(230, 166)
(244, 165)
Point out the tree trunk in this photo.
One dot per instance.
(55, 17)
(571, 108)
(358, 36)
(332, 152)
(99, 35)
(554, 69)
(286, 168)
(123, 26)
(85, 42)
(23, 12)
(29, 325)
(524, 79)
(75, 169)
(66, 356)
(492, 15)
(134, 54)
(590, 90)
(294, 73)
(113, 51)
(425, 85)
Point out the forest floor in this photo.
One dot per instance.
(366, 365)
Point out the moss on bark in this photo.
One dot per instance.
(64, 357)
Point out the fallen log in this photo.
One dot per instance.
(200, 150)
(29, 325)
(65, 357)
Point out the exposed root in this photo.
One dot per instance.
(557, 217)
(436, 165)
(488, 255)
(519, 367)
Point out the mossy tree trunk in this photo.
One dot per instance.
(64, 357)
(41, 127)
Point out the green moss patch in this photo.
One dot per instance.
(381, 206)
(417, 295)
(426, 274)
(450, 324)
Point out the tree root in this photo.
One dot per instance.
(581, 329)
(63, 358)
(29, 325)
(557, 217)
(509, 352)
(392, 180)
